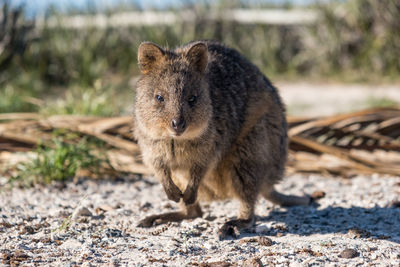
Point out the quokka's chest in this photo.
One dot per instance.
(173, 155)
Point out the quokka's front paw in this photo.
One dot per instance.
(189, 196)
(173, 192)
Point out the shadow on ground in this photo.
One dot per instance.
(376, 222)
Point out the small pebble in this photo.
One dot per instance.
(113, 233)
(394, 204)
(20, 255)
(103, 208)
(348, 253)
(5, 223)
(28, 230)
(318, 194)
(71, 244)
(82, 211)
(254, 262)
(265, 241)
(358, 233)
(24, 247)
(215, 264)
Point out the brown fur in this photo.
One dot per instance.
(230, 142)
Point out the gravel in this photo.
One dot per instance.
(92, 223)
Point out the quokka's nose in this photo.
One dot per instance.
(179, 125)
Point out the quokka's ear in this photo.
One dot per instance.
(149, 55)
(198, 56)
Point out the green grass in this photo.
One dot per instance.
(58, 163)
(382, 102)
(95, 100)
(13, 100)
(66, 223)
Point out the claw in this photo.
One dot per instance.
(146, 222)
(232, 228)
(189, 196)
(228, 230)
(150, 221)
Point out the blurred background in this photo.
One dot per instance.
(80, 56)
(68, 70)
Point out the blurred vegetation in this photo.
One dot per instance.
(373, 102)
(92, 70)
(359, 37)
(59, 163)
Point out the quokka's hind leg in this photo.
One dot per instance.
(245, 184)
(284, 200)
(186, 212)
(245, 220)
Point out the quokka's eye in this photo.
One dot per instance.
(160, 98)
(192, 99)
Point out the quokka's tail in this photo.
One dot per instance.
(285, 200)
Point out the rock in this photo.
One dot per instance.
(103, 208)
(19, 255)
(318, 194)
(27, 230)
(5, 223)
(82, 211)
(71, 244)
(145, 206)
(254, 262)
(265, 241)
(358, 233)
(348, 253)
(216, 264)
(113, 233)
(6, 255)
(24, 247)
(309, 252)
(210, 246)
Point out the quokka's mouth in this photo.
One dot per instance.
(175, 134)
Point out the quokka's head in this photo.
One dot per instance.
(172, 98)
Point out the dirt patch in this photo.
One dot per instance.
(44, 226)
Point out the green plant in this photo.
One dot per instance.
(59, 163)
(12, 100)
(66, 223)
(96, 100)
(357, 36)
(381, 102)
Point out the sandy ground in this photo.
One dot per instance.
(92, 223)
(319, 99)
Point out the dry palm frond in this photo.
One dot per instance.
(360, 142)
